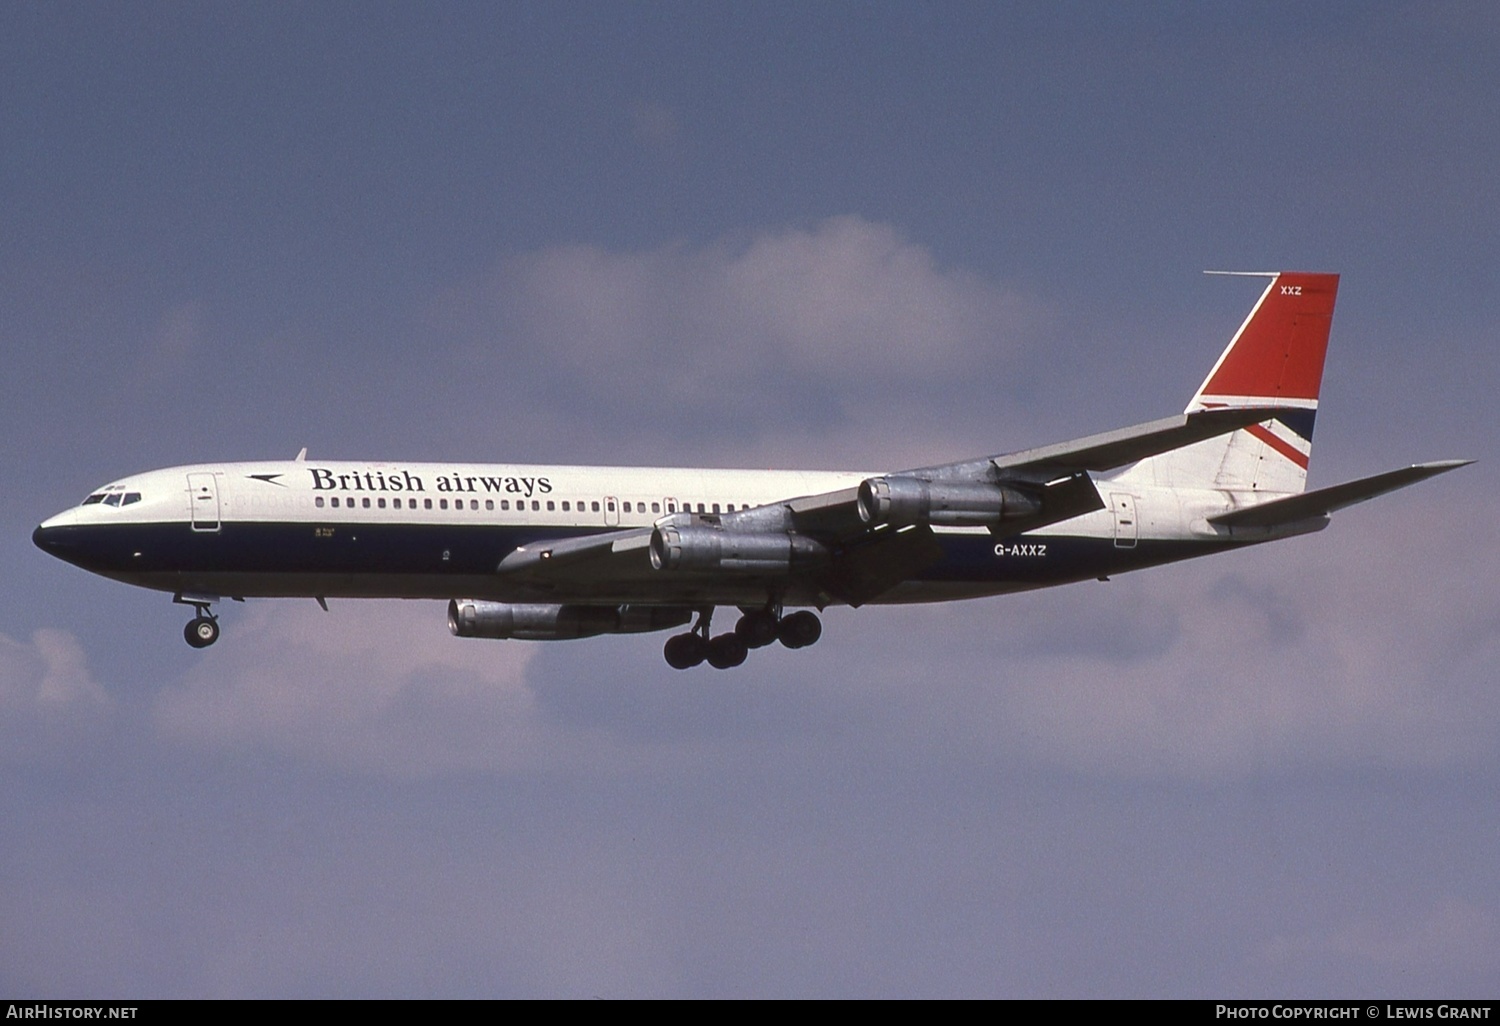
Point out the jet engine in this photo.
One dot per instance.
(911, 500)
(472, 618)
(697, 547)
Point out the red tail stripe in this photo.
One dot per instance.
(1285, 448)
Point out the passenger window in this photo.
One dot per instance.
(716, 507)
(656, 507)
(505, 504)
(335, 501)
(565, 505)
(380, 503)
(366, 502)
(671, 507)
(318, 502)
(551, 506)
(626, 505)
(442, 504)
(427, 503)
(535, 505)
(701, 509)
(489, 504)
(594, 506)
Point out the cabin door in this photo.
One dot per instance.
(1126, 528)
(203, 497)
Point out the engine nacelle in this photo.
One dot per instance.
(534, 621)
(910, 500)
(697, 547)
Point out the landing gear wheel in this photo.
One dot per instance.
(684, 651)
(757, 629)
(726, 650)
(800, 629)
(201, 632)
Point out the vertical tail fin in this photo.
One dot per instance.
(1275, 359)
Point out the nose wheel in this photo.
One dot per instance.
(201, 631)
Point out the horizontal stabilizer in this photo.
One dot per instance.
(1296, 508)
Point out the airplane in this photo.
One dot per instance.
(560, 552)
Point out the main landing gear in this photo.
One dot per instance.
(203, 629)
(757, 628)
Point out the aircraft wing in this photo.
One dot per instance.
(1111, 449)
(1324, 501)
(869, 559)
(1058, 474)
(860, 559)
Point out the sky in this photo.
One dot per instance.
(762, 235)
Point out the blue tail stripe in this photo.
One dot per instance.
(1299, 421)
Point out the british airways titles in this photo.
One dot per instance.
(405, 481)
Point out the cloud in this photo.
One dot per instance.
(1369, 646)
(381, 688)
(374, 687)
(830, 328)
(50, 704)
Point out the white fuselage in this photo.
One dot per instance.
(436, 530)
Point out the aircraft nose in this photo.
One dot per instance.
(51, 536)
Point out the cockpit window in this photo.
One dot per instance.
(114, 495)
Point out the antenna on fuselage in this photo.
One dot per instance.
(301, 455)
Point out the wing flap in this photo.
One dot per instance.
(831, 513)
(876, 565)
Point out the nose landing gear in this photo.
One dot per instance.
(203, 629)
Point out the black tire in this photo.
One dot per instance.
(201, 632)
(757, 628)
(727, 650)
(684, 651)
(800, 629)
